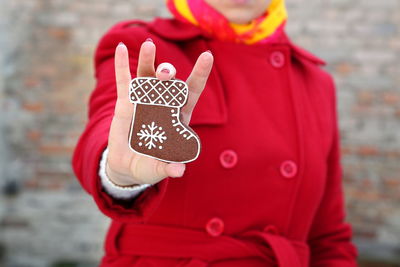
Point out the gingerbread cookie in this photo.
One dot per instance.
(156, 130)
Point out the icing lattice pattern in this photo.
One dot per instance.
(152, 91)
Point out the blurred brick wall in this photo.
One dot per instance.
(46, 77)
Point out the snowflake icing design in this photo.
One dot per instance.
(151, 135)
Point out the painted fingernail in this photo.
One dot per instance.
(166, 71)
(149, 40)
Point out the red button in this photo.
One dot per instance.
(288, 169)
(228, 159)
(277, 59)
(215, 226)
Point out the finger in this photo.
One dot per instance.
(175, 170)
(120, 124)
(123, 107)
(196, 83)
(146, 59)
(155, 170)
(165, 71)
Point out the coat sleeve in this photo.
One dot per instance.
(93, 141)
(330, 237)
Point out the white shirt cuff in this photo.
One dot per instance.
(114, 190)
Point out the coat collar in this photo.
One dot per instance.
(304, 54)
(212, 109)
(175, 30)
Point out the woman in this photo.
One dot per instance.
(266, 188)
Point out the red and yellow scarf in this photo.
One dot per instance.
(260, 30)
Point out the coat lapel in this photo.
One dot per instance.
(211, 108)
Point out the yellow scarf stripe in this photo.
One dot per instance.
(183, 8)
(256, 31)
(277, 14)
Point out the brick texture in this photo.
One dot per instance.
(46, 76)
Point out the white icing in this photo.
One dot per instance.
(151, 136)
(149, 86)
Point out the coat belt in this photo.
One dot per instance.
(175, 242)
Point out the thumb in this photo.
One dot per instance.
(148, 170)
(175, 170)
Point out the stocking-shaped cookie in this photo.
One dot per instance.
(156, 130)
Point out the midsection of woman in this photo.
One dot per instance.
(243, 155)
(266, 188)
(267, 123)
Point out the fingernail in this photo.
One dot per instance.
(166, 71)
(149, 40)
(182, 171)
(176, 171)
(209, 51)
(121, 43)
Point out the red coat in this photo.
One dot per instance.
(266, 187)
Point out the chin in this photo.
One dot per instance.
(239, 18)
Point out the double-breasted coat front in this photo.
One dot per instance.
(266, 189)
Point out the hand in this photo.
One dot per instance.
(124, 166)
